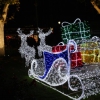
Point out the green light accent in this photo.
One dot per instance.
(77, 31)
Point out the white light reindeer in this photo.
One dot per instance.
(25, 50)
(43, 45)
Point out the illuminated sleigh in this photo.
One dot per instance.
(90, 51)
(54, 70)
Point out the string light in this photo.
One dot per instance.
(90, 50)
(54, 68)
(90, 79)
(25, 50)
(43, 45)
(76, 58)
(76, 30)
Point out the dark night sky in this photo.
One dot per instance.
(49, 12)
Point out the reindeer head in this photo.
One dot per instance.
(40, 30)
(24, 36)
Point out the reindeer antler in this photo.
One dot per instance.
(49, 32)
(40, 30)
(19, 31)
(31, 32)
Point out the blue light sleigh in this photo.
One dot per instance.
(54, 69)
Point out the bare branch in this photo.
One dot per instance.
(5, 10)
(95, 6)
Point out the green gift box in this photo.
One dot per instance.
(76, 30)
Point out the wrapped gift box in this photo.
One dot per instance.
(76, 30)
(90, 53)
(89, 45)
(91, 56)
(76, 59)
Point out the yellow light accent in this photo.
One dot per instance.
(91, 56)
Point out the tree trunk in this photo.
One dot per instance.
(95, 6)
(2, 22)
(2, 47)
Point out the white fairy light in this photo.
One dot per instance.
(59, 71)
(25, 50)
(43, 45)
(90, 50)
(54, 69)
(90, 79)
(76, 30)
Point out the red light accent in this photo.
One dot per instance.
(76, 59)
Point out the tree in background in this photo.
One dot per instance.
(95, 4)
(4, 8)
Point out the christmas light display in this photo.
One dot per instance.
(76, 30)
(76, 59)
(25, 50)
(90, 76)
(90, 50)
(43, 45)
(53, 68)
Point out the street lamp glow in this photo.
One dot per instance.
(59, 22)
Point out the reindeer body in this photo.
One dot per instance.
(25, 50)
(43, 45)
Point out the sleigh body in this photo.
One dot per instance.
(55, 69)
